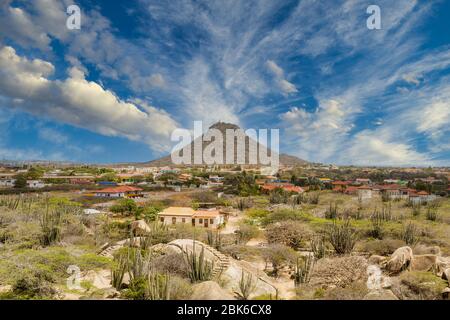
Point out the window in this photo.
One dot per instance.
(161, 219)
(211, 221)
(200, 220)
(183, 220)
(174, 220)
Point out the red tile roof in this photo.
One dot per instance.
(119, 189)
(286, 187)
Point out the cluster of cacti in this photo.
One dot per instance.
(410, 234)
(432, 210)
(22, 202)
(243, 203)
(432, 214)
(303, 269)
(416, 209)
(247, 285)
(138, 263)
(332, 211)
(318, 247)
(342, 237)
(118, 271)
(50, 223)
(199, 268)
(158, 286)
(214, 239)
(313, 198)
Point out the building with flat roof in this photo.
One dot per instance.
(186, 215)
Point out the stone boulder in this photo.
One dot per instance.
(425, 262)
(140, 227)
(383, 294)
(422, 249)
(377, 260)
(99, 279)
(446, 275)
(400, 260)
(210, 290)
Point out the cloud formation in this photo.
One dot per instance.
(79, 102)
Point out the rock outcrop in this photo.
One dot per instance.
(400, 260)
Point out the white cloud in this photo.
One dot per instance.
(372, 149)
(285, 86)
(435, 117)
(52, 135)
(80, 102)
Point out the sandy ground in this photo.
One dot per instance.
(232, 224)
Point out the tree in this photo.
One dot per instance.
(289, 233)
(125, 206)
(278, 255)
(35, 173)
(21, 181)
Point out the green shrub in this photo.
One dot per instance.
(354, 291)
(245, 233)
(383, 247)
(33, 284)
(289, 233)
(278, 255)
(419, 285)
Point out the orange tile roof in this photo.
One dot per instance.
(119, 189)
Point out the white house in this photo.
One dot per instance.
(421, 197)
(7, 183)
(365, 193)
(120, 192)
(35, 184)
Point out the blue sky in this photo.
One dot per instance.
(116, 89)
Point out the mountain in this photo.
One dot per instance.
(285, 159)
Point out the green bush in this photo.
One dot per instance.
(290, 233)
(417, 285)
(245, 233)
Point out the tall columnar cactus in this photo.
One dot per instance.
(158, 286)
(303, 269)
(118, 271)
(199, 268)
(342, 237)
(247, 285)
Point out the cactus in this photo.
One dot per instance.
(158, 286)
(332, 211)
(410, 234)
(118, 272)
(318, 247)
(303, 269)
(199, 268)
(247, 285)
(342, 237)
(377, 220)
(50, 226)
(214, 239)
(138, 264)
